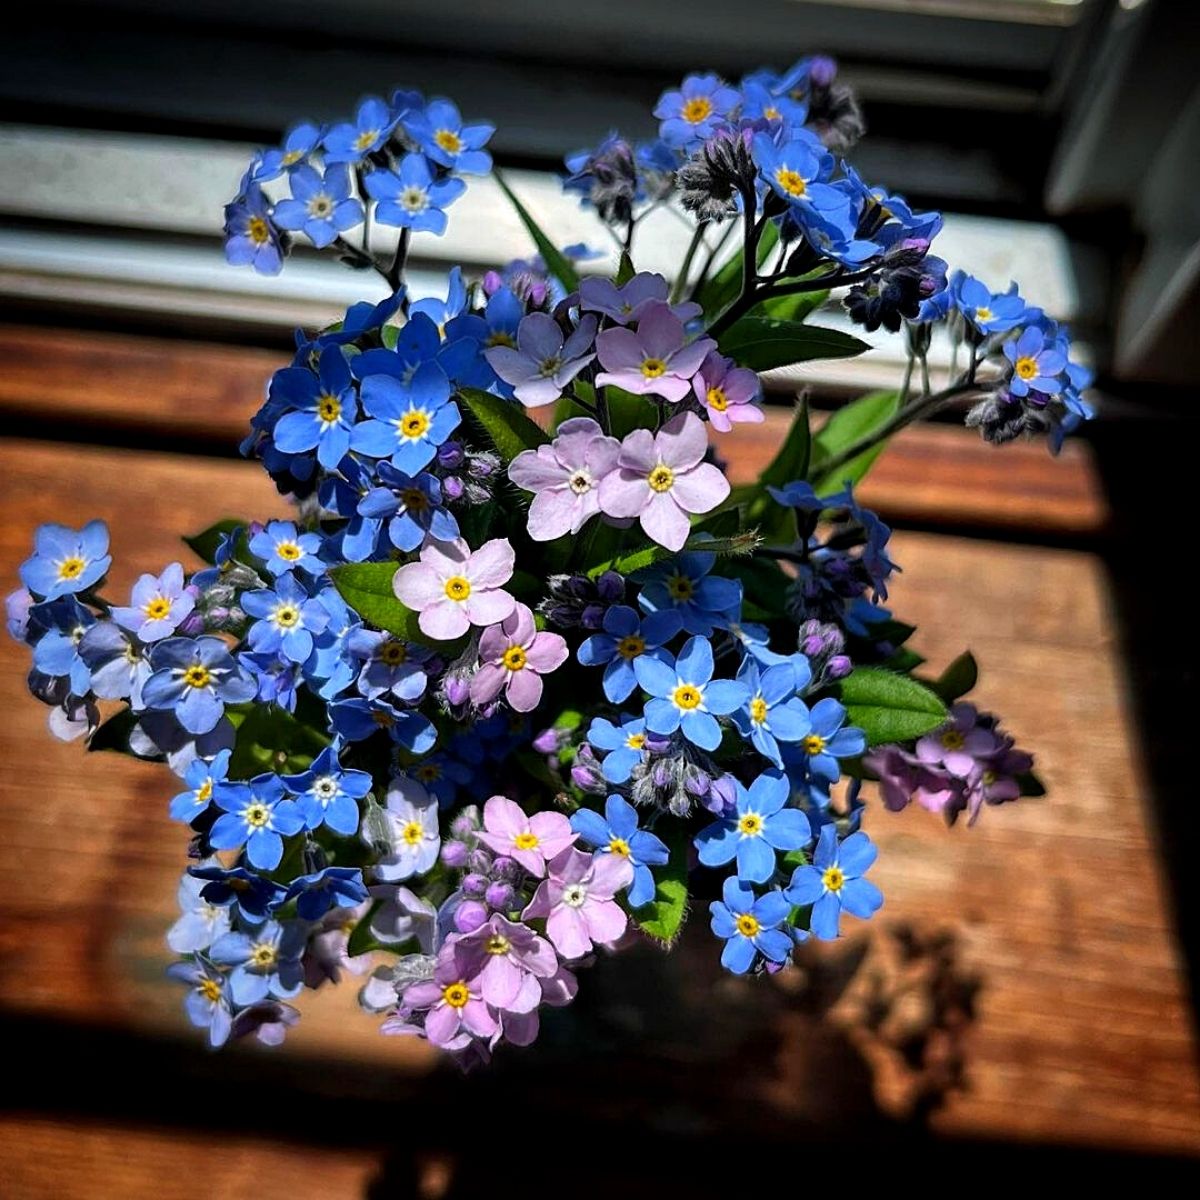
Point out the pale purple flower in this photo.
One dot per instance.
(565, 475)
(455, 1011)
(531, 841)
(904, 778)
(522, 1028)
(995, 781)
(628, 302)
(543, 363)
(327, 954)
(509, 960)
(415, 839)
(453, 587)
(401, 916)
(728, 392)
(654, 361)
(515, 656)
(577, 901)
(661, 478)
(958, 746)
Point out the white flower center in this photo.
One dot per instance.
(574, 895)
(414, 199)
(581, 482)
(326, 787)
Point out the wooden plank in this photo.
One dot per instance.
(941, 475)
(96, 1160)
(1083, 1033)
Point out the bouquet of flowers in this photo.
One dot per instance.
(524, 673)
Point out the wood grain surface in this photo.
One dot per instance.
(1083, 1031)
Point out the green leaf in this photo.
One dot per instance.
(269, 738)
(651, 553)
(114, 733)
(958, 678)
(903, 661)
(720, 291)
(858, 419)
(557, 262)
(627, 412)
(626, 271)
(763, 344)
(367, 588)
(663, 917)
(764, 587)
(361, 938)
(795, 307)
(205, 543)
(505, 423)
(896, 632)
(889, 707)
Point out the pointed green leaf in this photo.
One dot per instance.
(627, 412)
(367, 588)
(206, 541)
(557, 262)
(626, 271)
(858, 419)
(795, 307)
(114, 733)
(889, 707)
(504, 422)
(663, 917)
(764, 344)
(651, 553)
(958, 678)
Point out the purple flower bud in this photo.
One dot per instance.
(483, 466)
(454, 854)
(586, 776)
(549, 741)
(453, 487)
(457, 689)
(722, 796)
(592, 616)
(480, 860)
(469, 915)
(493, 281)
(822, 70)
(500, 895)
(839, 666)
(505, 868)
(193, 623)
(474, 884)
(450, 455)
(465, 824)
(611, 587)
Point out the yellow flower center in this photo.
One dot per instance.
(653, 368)
(383, 718)
(204, 792)
(747, 925)
(456, 995)
(526, 841)
(717, 399)
(414, 423)
(988, 778)
(414, 499)
(631, 647)
(71, 568)
(771, 113)
(365, 140)
(680, 587)
(458, 587)
(983, 314)
(1027, 368)
(257, 816)
(210, 989)
(329, 408)
(258, 231)
(289, 551)
(813, 744)
(500, 337)
(393, 654)
(619, 846)
(686, 696)
(196, 676)
(750, 825)
(697, 109)
(449, 141)
(412, 833)
(292, 157)
(636, 741)
(792, 182)
(158, 608)
(263, 955)
(286, 616)
(758, 710)
(514, 658)
(833, 879)
(497, 944)
(951, 739)
(661, 478)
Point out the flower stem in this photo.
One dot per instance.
(395, 273)
(681, 279)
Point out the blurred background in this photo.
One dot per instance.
(1023, 1000)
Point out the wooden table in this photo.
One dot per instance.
(1083, 1030)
